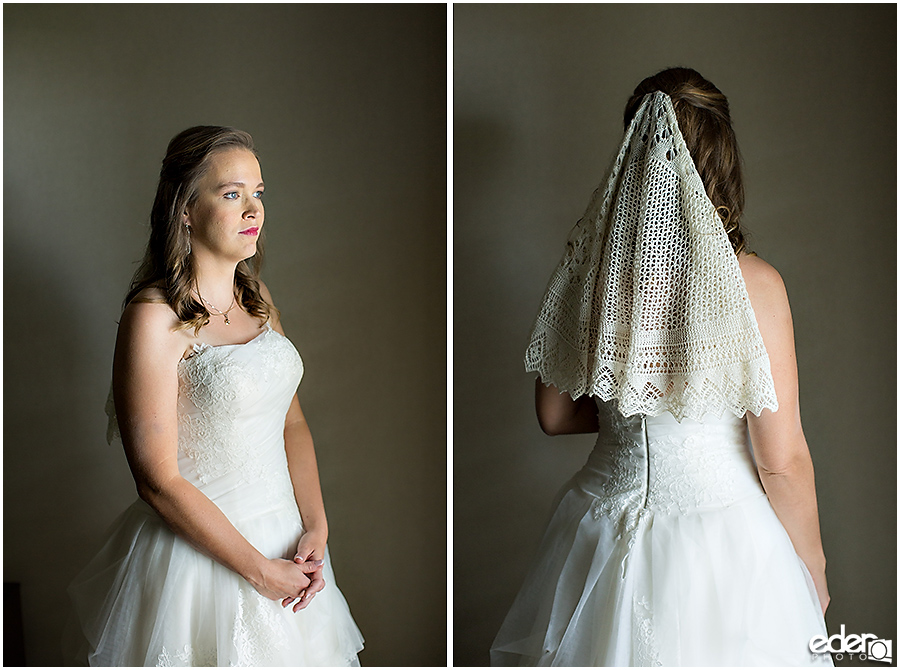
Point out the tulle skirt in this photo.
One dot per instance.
(719, 587)
(150, 599)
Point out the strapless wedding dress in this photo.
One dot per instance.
(664, 550)
(149, 599)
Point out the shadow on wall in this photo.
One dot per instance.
(50, 479)
(506, 472)
(479, 145)
(351, 103)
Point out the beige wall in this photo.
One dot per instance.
(537, 116)
(348, 108)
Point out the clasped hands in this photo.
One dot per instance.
(310, 558)
(315, 582)
(295, 582)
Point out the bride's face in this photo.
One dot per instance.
(227, 215)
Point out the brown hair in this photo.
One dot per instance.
(705, 123)
(168, 264)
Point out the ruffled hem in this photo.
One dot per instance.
(709, 588)
(150, 599)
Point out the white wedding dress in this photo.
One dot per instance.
(664, 550)
(149, 599)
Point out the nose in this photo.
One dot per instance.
(254, 209)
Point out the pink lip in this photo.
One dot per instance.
(251, 231)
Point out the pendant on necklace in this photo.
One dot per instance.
(227, 322)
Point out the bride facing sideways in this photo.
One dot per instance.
(223, 559)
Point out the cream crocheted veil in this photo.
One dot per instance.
(648, 306)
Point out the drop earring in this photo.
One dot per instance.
(188, 229)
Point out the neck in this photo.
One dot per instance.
(215, 282)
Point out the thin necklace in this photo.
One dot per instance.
(216, 311)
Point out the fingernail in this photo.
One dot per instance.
(320, 561)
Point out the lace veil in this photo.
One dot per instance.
(648, 306)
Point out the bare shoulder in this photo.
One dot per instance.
(265, 293)
(760, 276)
(145, 380)
(764, 285)
(769, 301)
(153, 294)
(149, 326)
(273, 315)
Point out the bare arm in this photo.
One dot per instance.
(301, 456)
(304, 471)
(558, 414)
(145, 388)
(780, 448)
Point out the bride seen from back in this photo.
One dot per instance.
(691, 535)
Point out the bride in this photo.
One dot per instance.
(677, 544)
(222, 560)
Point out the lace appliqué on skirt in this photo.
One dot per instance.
(186, 657)
(646, 647)
(258, 634)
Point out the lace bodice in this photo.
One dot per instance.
(646, 464)
(232, 402)
(149, 598)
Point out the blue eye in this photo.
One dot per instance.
(258, 194)
(232, 196)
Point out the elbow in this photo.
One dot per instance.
(549, 428)
(552, 424)
(552, 408)
(786, 467)
(148, 493)
(569, 420)
(780, 450)
(154, 493)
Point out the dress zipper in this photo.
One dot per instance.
(641, 515)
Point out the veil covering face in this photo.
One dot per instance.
(648, 306)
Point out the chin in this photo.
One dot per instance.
(249, 251)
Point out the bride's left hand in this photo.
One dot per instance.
(310, 550)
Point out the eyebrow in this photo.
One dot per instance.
(236, 183)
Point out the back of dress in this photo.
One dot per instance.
(655, 465)
(664, 549)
